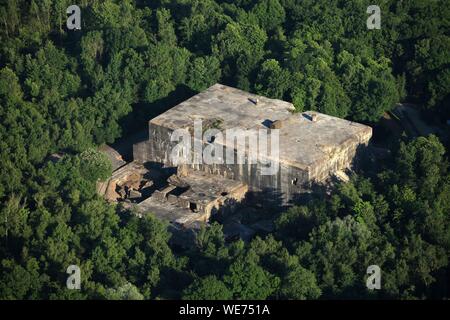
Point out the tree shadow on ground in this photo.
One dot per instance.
(137, 119)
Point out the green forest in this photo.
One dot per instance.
(70, 91)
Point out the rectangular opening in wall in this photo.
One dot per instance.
(193, 206)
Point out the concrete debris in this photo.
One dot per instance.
(111, 194)
(342, 176)
(113, 156)
(134, 194)
(147, 184)
(177, 181)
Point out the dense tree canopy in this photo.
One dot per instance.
(65, 92)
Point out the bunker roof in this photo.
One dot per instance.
(231, 106)
(306, 139)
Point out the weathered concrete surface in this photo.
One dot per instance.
(323, 146)
(170, 212)
(130, 175)
(113, 156)
(194, 199)
(312, 146)
(232, 106)
(210, 193)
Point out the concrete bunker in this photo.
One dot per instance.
(312, 148)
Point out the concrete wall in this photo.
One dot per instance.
(159, 146)
(342, 156)
(288, 182)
